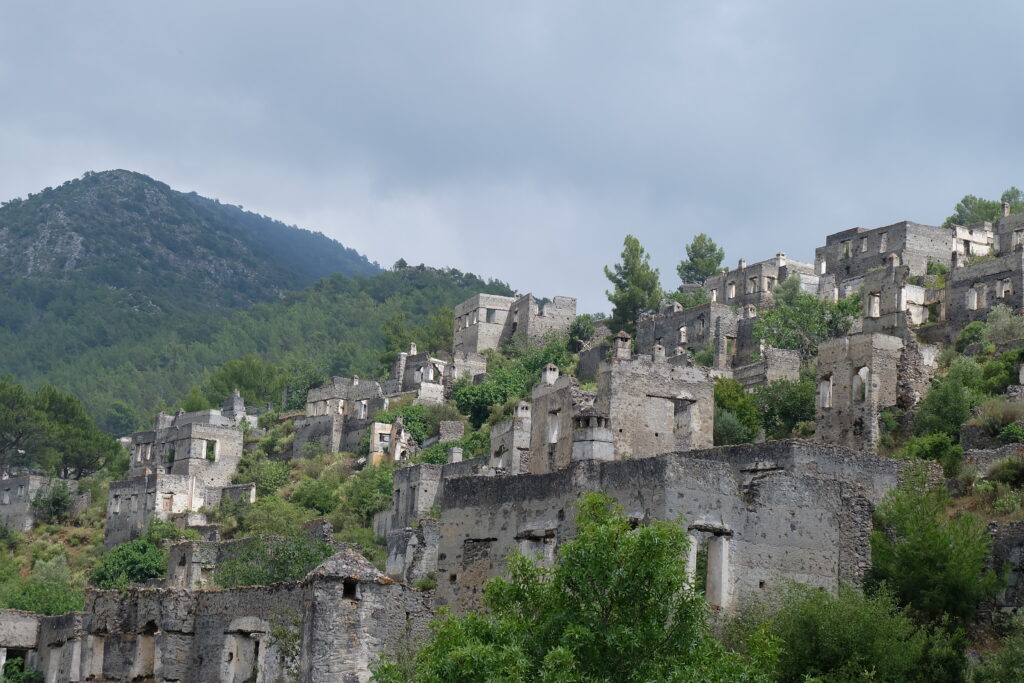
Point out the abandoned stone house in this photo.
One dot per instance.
(182, 465)
(328, 627)
(17, 493)
(487, 320)
(338, 414)
(753, 284)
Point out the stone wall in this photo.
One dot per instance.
(785, 511)
(18, 492)
(678, 329)
(486, 321)
(654, 405)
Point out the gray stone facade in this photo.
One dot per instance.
(753, 284)
(327, 628)
(18, 492)
(779, 511)
(487, 320)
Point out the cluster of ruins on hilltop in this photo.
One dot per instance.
(765, 513)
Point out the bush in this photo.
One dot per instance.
(366, 493)
(1012, 433)
(132, 562)
(705, 357)
(273, 515)
(997, 413)
(950, 400)
(938, 447)
(15, 671)
(1006, 664)
(268, 475)
(52, 504)
(973, 333)
(1003, 326)
(261, 561)
(49, 589)
(582, 329)
(849, 637)
(1009, 471)
(732, 397)
(933, 563)
(316, 494)
(785, 403)
(729, 429)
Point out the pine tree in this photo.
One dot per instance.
(637, 286)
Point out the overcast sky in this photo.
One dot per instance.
(524, 140)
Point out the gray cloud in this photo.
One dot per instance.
(524, 140)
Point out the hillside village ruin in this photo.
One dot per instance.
(766, 513)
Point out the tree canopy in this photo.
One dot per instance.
(973, 209)
(636, 287)
(800, 321)
(704, 258)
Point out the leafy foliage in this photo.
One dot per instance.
(52, 504)
(139, 560)
(263, 560)
(617, 606)
(636, 288)
(733, 402)
(973, 209)
(800, 321)
(932, 563)
(49, 589)
(1005, 665)
(938, 447)
(703, 259)
(950, 400)
(690, 299)
(785, 403)
(50, 431)
(849, 637)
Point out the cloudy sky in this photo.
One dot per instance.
(524, 140)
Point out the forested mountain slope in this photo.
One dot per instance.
(113, 254)
(125, 292)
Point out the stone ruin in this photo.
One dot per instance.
(757, 514)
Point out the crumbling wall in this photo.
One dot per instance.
(775, 518)
(654, 406)
(754, 284)
(18, 492)
(858, 375)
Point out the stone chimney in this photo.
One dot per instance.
(780, 260)
(591, 437)
(550, 374)
(522, 409)
(743, 263)
(1006, 209)
(455, 454)
(623, 346)
(355, 380)
(750, 311)
(659, 353)
(412, 348)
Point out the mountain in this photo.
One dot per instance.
(128, 232)
(127, 293)
(115, 255)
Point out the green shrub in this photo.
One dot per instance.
(785, 403)
(849, 637)
(427, 583)
(316, 494)
(50, 588)
(1009, 502)
(1006, 664)
(997, 413)
(1009, 471)
(273, 516)
(932, 563)
(261, 561)
(938, 447)
(1003, 326)
(731, 396)
(366, 493)
(52, 504)
(729, 429)
(1012, 433)
(160, 531)
(705, 357)
(132, 562)
(950, 400)
(15, 671)
(582, 329)
(268, 475)
(973, 333)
